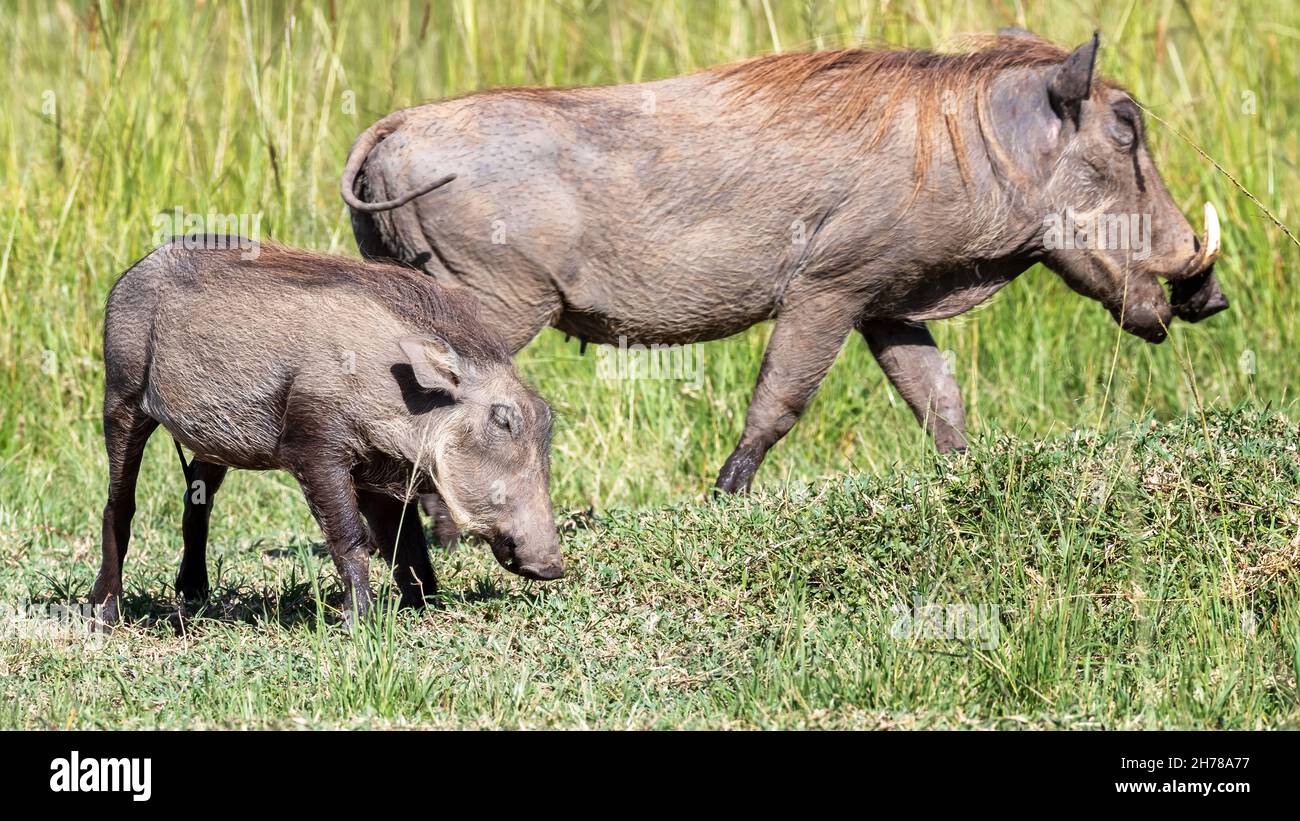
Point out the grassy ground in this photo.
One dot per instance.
(1137, 577)
(1141, 579)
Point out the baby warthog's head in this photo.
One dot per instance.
(1112, 231)
(486, 446)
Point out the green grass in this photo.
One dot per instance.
(1141, 578)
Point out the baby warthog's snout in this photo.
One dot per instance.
(543, 572)
(542, 565)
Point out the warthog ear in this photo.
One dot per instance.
(435, 363)
(1071, 82)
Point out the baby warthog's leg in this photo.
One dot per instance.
(332, 497)
(406, 551)
(445, 532)
(919, 372)
(126, 430)
(203, 480)
(808, 336)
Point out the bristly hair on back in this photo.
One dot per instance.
(412, 296)
(862, 90)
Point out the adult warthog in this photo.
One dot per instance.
(830, 191)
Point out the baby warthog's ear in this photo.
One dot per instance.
(1071, 83)
(434, 361)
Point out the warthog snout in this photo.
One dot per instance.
(544, 565)
(1199, 296)
(1146, 318)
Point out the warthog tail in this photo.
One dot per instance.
(357, 158)
(185, 466)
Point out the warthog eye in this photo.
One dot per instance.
(1124, 128)
(506, 418)
(1122, 133)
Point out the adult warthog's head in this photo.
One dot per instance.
(1111, 229)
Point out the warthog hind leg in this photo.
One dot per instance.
(203, 480)
(126, 430)
(405, 551)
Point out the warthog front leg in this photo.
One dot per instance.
(445, 532)
(907, 354)
(405, 551)
(332, 498)
(808, 336)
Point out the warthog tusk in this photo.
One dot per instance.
(1210, 247)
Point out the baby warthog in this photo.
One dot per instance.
(369, 383)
